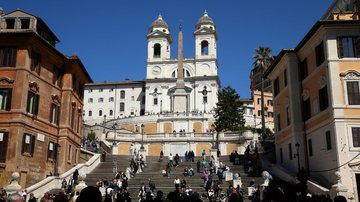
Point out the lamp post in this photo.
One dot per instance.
(160, 106)
(255, 121)
(204, 92)
(142, 136)
(297, 145)
(213, 137)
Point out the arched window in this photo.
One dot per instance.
(186, 73)
(100, 112)
(204, 48)
(157, 50)
(122, 94)
(111, 112)
(90, 113)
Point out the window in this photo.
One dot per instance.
(122, 94)
(111, 113)
(132, 98)
(155, 101)
(204, 48)
(315, 106)
(259, 100)
(101, 90)
(269, 102)
(90, 100)
(35, 62)
(276, 86)
(78, 121)
(54, 114)
(25, 23)
(100, 113)
(90, 90)
(306, 109)
(111, 99)
(157, 50)
(73, 117)
(285, 78)
(5, 98)
(122, 106)
(278, 121)
(271, 114)
(90, 113)
(7, 57)
(353, 92)
(205, 100)
(303, 69)
(4, 138)
(51, 149)
(10, 23)
(281, 156)
(28, 144)
(287, 116)
(69, 152)
(323, 98)
(111, 90)
(259, 113)
(310, 147)
(347, 47)
(101, 99)
(250, 111)
(290, 152)
(57, 77)
(32, 106)
(320, 54)
(328, 140)
(356, 136)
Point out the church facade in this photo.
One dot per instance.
(155, 95)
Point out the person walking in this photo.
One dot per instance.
(177, 183)
(198, 165)
(186, 156)
(152, 187)
(161, 155)
(171, 158)
(176, 160)
(203, 154)
(168, 170)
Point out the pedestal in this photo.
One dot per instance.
(237, 182)
(213, 152)
(14, 186)
(228, 176)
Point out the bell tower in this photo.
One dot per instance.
(205, 38)
(159, 40)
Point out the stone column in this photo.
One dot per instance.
(14, 186)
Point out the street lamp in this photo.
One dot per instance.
(142, 136)
(160, 106)
(213, 138)
(297, 145)
(255, 121)
(114, 127)
(204, 92)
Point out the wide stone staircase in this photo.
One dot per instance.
(153, 171)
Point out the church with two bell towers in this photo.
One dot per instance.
(173, 88)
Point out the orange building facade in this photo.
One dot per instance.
(316, 103)
(41, 93)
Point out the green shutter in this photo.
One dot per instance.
(32, 145)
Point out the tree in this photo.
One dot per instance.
(228, 111)
(263, 59)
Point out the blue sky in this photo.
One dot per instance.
(110, 35)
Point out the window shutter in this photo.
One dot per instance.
(8, 103)
(28, 102)
(32, 145)
(23, 143)
(340, 47)
(357, 46)
(36, 104)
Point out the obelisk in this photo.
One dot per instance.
(180, 96)
(180, 78)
